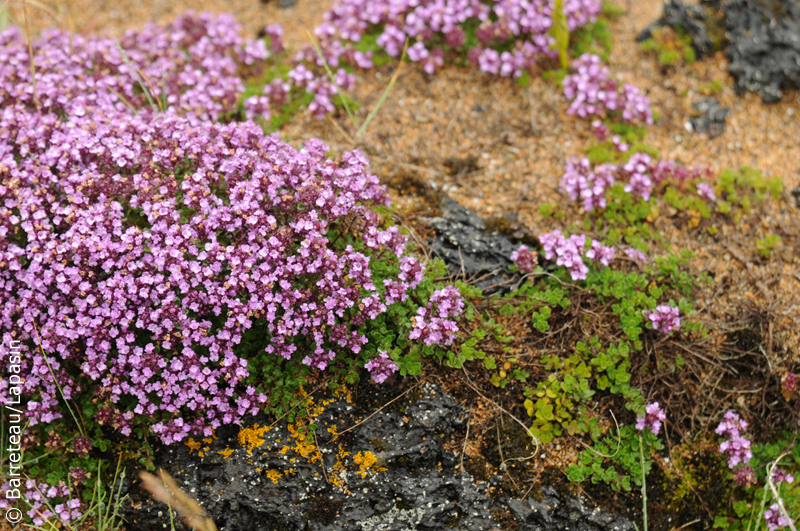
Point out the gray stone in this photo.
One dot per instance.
(462, 242)
(689, 17)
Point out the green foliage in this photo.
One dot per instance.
(671, 46)
(594, 38)
(607, 152)
(738, 189)
(767, 244)
(711, 88)
(555, 77)
(560, 403)
(611, 11)
(616, 461)
(551, 210)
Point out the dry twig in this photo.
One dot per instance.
(167, 491)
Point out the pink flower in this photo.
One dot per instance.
(524, 259)
(381, 367)
(652, 420)
(665, 318)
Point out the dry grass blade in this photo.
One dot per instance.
(167, 491)
(384, 95)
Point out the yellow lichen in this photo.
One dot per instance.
(193, 445)
(251, 438)
(365, 462)
(274, 475)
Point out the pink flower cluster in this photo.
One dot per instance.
(636, 172)
(640, 175)
(143, 247)
(381, 367)
(774, 518)
(190, 67)
(665, 318)
(781, 475)
(520, 28)
(569, 251)
(435, 325)
(736, 448)
(524, 259)
(652, 419)
(39, 496)
(580, 181)
(592, 93)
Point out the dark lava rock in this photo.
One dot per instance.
(464, 245)
(556, 512)
(764, 50)
(689, 17)
(281, 485)
(274, 481)
(711, 119)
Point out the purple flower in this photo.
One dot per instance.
(600, 130)
(736, 448)
(566, 251)
(744, 476)
(381, 367)
(435, 324)
(665, 318)
(705, 191)
(81, 445)
(782, 475)
(524, 259)
(600, 253)
(637, 169)
(652, 420)
(636, 255)
(774, 518)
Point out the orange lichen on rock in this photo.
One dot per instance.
(365, 462)
(251, 438)
(193, 445)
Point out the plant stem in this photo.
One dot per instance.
(644, 484)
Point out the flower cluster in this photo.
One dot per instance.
(640, 174)
(157, 244)
(434, 325)
(381, 367)
(566, 251)
(141, 242)
(705, 191)
(781, 475)
(40, 497)
(636, 255)
(789, 385)
(581, 182)
(598, 252)
(636, 172)
(190, 67)
(736, 448)
(665, 318)
(652, 419)
(592, 93)
(774, 518)
(569, 252)
(509, 34)
(524, 259)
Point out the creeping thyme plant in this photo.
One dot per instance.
(168, 274)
